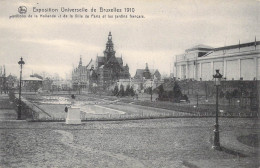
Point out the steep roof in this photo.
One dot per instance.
(120, 60)
(115, 60)
(152, 71)
(100, 58)
(139, 72)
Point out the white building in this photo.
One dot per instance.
(235, 62)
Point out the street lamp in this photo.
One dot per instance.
(21, 63)
(151, 89)
(216, 144)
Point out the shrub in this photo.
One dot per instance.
(121, 91)
(115, 92)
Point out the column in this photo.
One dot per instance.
(187, 71)
(225, 68)
(194, 69)
(180, 71)
(176, 67)
(212, 69)
(256, 67)
(200, 75)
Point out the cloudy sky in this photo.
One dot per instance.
(54, 45)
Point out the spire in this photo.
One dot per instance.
(109, 36)
(146, 72)
(146, 66)
(109, 45)
(80, 61)
(109, 51)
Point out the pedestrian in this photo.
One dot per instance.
(66, 111)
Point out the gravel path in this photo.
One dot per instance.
(146, 143)
(67, 139)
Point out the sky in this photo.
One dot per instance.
(54, 45)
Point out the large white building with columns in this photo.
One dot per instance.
(235, 62)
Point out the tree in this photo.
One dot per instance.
(160, 92)
(115, 91)
(46, 84)
(221, 94)
(235, 94)
(131, 91)
(141, 86)
(176, 92)
(228, 96)
(127, 91)
(36, 86)
(121, 91)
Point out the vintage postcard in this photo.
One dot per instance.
(127, 84)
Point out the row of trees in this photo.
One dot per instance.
(129, 91)
(174, 95)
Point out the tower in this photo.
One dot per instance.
(146, 72)
(109, 51)
(80, 61)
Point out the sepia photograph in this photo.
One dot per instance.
(129, 84)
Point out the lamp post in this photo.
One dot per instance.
(151, 89)
(216, 144)
(21, 63)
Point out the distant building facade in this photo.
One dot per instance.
(81, 75)
(146, 78)
(147, 73)
(235, 62)
(31, 83)
(110, 68)
(102, 73)
(61, 85)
